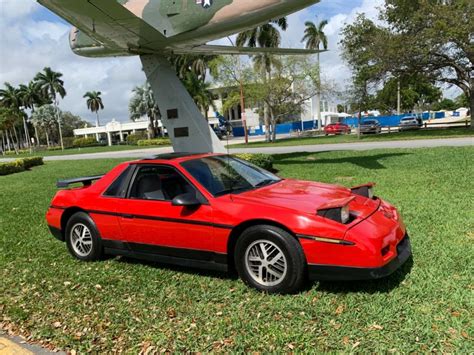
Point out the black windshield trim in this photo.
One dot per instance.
(235, 191)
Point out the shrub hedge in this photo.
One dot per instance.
(20, 151)
(85, 142)
(263, 161)
(32, 161)
(153, 142)
(19, 165)
(12, 167)
(132, 139)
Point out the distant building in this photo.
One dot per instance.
(114, 131)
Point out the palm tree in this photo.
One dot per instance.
(265, 36)
(314, 36)
(45, 117)
(94, 103)
(52, 86)
(142, 104)
(197, 64)
(199, 91)
(31, 96)
(11, 98)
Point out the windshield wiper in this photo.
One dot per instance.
(232, 190)
(265, 182)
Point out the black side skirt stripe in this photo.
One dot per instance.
(176, 256)
(154, 218)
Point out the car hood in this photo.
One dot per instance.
(303, 196)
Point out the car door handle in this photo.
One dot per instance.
(128, 216)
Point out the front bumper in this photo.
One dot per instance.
(56, 232)
(344, 273)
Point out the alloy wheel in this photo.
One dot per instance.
(81, 240)
(266, 263)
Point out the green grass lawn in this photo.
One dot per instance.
(87, 150)
(120, 304)
(352, 138)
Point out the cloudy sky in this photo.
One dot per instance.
(31, 38)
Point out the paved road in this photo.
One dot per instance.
(14, 345)
(421, 143)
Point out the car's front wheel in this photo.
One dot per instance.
(270, 259)
(82, 238)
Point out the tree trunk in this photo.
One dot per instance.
(9, 146)
(15, 146)
(36, 135)
(97, 125)
(471, 101)
(27, 134)
(47, 137)
(59, 124)
(150, 131)
(16, 138)
(3, 144)
(266, 113)
(318, 98)
(358, 123)
(273, 129)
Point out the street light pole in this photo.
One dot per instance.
(398, 98)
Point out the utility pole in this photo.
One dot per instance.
(242, 98)
(244, 115)
(398, 98)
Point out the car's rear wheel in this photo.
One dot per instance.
(270, 260)
(82, 238)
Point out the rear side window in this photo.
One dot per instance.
(159, 183)
(118, 187)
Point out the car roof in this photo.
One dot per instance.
(175, 157)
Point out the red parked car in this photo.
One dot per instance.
(219, 212)
(337, 128)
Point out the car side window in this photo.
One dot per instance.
(119, 186)
(159, 183)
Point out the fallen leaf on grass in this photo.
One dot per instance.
(356, 344)
(376, 327)
(339, 309)
(57, 324)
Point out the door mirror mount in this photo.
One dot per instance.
(186, 200)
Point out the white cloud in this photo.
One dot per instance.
(333, 67)
(29, 42)
(28, 45)
(16, 9)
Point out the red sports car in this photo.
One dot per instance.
(337, 128)
(219, 212)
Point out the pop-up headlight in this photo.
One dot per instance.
(336, 210)
(366, 190)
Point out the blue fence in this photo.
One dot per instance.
(391, 121)
(286, 128)
(283, 128)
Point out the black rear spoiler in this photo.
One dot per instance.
(86, 181)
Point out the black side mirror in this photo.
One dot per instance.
(186, 200)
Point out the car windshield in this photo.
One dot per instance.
(369, 122)
(408, 119)
(222, 175)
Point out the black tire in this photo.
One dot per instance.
(293, 278)
(95, 252)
